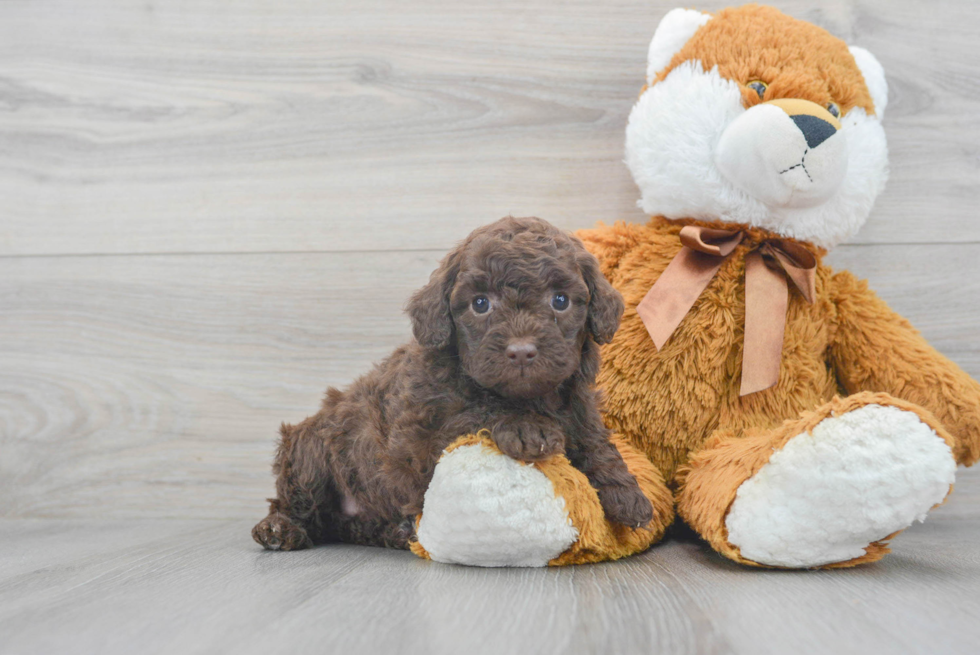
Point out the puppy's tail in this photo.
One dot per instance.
(332, 397)
(286, 434)
(291, 436)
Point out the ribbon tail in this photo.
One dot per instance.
(801, 269)
(675, 292)
(766, 301)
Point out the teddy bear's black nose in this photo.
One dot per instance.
(815, 130)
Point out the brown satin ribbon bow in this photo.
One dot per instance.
(766, 294)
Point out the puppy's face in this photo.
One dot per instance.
(520, 317)
(519, 300)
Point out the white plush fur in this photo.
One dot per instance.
(765, 154)
(671, 142)
(874, 77)
(674, 30)
(826, 496)
(485, 509)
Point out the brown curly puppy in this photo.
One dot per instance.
(506, 333)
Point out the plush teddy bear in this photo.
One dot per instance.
(793, 419)
(798, 420)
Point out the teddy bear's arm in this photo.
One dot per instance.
(876, 349)
(608, 243)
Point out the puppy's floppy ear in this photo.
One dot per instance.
(606, 305)
(590, 362)
(432, 319)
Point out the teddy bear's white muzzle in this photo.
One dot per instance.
(784, 156)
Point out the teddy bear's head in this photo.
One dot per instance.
(752, 117)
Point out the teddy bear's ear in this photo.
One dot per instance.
(672, 33)
(874, 77)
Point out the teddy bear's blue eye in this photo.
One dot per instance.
(560, 301)
(758, 86)
(481, 304)
(834, 110)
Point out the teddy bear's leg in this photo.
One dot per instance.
(825, 490)
(483, 508)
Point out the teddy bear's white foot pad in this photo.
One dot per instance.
(826, 496)
(483, 508)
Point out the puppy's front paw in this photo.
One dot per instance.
(529, 439)
(278, 532)
(626, 505)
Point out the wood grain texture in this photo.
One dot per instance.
(154, 386)
(304, 125)
(299, 168)
(204, 587)
(137, 386)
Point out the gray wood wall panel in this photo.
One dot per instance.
(154, 385)
(268, 126)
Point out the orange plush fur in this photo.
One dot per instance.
(681, 405)
(804, 62)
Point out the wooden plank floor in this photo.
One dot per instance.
(213, 210)
(202, 586)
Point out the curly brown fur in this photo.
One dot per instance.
(495, 348)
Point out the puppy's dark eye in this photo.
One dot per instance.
(560, 301)
(834, 110)
(758, 86)
(481, 304)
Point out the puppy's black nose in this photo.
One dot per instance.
(521, 353)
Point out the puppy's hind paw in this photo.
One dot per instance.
(278, 532)
(626, 505)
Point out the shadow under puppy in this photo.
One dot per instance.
(506, 338)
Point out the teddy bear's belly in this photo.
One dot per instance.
(670, 403)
